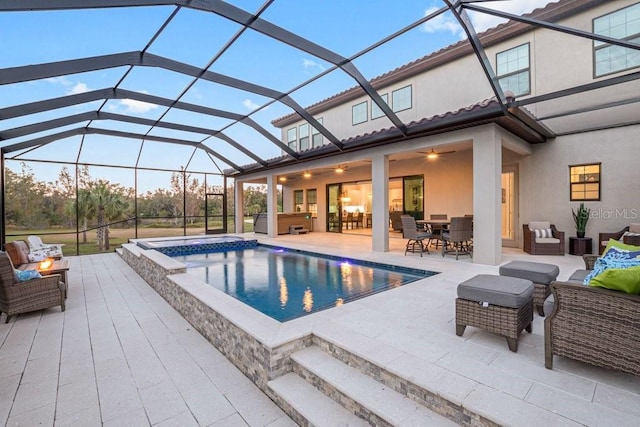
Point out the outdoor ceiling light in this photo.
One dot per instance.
(307, 174)
(431, 155)
(283, 179)
(339, 169)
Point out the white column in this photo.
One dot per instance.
(238, 195)
(487, 196)
(272, 205)
(380, 203)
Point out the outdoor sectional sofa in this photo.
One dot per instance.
(593, 325)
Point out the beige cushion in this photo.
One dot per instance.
(533, 225)
(547, 240)
(634, 228)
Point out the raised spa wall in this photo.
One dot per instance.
(225, 322)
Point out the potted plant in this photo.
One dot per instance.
(581, 217)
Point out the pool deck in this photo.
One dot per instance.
(121, 355)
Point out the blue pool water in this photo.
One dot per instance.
(197, 245)
(285, 284)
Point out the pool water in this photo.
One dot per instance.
(285, 284)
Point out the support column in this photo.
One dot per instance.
(238, 197)
(272, 205)
(487, 196)
(380, 203)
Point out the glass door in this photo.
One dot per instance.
(334, 208)
(413, 196)
(215, 219)
(509, 206)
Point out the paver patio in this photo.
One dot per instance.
(121, 355)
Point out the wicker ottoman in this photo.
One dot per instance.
(539, 273)
(498, 304)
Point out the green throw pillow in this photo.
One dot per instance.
(618, 244)
(619, 279)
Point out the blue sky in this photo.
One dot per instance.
(194, 37)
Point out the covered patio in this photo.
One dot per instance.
(120, 354)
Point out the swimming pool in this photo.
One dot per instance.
(285, 284)
(197, 244)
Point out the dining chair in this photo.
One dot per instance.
(457, 238)
(415, 242)
(437, 229)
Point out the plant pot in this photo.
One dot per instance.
(580, 234)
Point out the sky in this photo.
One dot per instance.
(195, 37)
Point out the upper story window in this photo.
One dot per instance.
(623, 24)
(376, 111)
(359, 113)
(316, 136)
(304, 137)
(513, 70)
(401, 99)
(292, 138)
(585, 182)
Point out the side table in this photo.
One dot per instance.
(580, 245)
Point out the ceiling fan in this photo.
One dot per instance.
(433, 154)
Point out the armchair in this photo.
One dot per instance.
(22, 297)
(603, 238)
(542, 238)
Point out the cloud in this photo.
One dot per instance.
(249, 104)
(310, 63)
(134, 106)
(481, 21)
(62, 80)
(78, 88)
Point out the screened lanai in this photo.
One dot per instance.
(159, 107)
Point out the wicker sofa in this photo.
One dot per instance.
(593, 325)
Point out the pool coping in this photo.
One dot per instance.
(267, 339)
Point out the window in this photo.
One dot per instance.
(401, 99)
(377, 111)
(585, 182)
(623, 24)
(312, 202)
(304, 137)
(359, 113)
(316, 136)
(298, 200)
(292, 139)
(513, 70)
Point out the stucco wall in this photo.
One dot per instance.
(544, 180)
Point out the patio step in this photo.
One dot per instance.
(311, 405)
(376, 402)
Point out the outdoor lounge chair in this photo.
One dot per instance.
(52, 249)
(31, 295)
(19, 252)
(542, 238)
(416, 238)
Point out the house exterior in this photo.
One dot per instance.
(566, 134)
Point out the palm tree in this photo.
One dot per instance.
(85, 210)
(108, 205)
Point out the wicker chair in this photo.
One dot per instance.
(542, 246)
(594, 325)
(416, 238)
(603, 238)
(22, 297)
(457, 238)
(396, 222)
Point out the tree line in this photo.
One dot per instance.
(35, 204)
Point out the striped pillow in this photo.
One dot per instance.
(542, 233)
